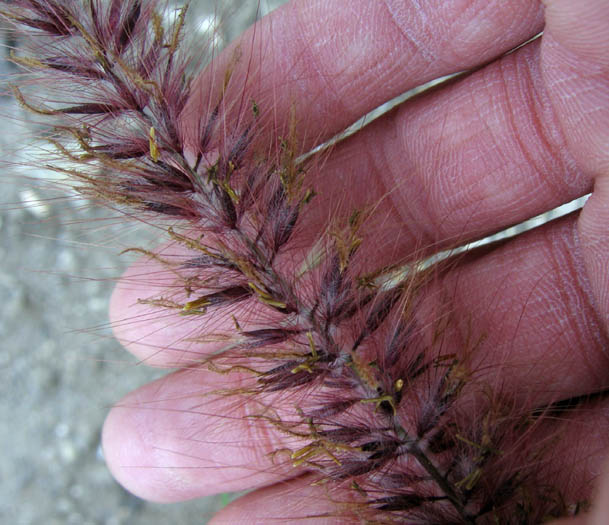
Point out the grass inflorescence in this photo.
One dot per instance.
(385, 413)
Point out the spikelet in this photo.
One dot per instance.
(385, 414)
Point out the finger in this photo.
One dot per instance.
(576, 67)
(158, 337)
(458, 163)
(294, 501)
(169, 336)
(334, 64)
(164, 337)
(527, 308)
(180, 438)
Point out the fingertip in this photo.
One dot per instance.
(151, 333)
(178, 438)
(157, 441)
(145, 313)
(129, 452)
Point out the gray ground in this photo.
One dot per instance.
(60, 369)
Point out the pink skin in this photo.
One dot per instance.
(522, 135)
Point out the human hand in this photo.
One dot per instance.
(525, 133)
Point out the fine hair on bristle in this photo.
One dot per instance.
(387, 401)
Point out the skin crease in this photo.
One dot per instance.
(524, 134)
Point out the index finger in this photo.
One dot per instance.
(333, 62)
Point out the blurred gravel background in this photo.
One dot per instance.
(60, 369)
